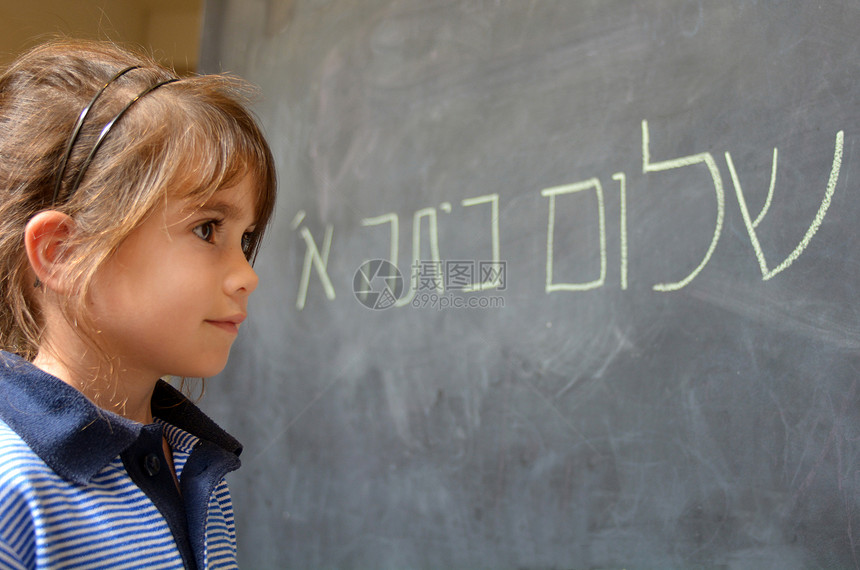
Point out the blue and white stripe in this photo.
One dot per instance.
(49, 522)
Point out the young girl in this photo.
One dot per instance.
(132, 204)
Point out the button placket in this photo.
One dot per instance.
(152, 464)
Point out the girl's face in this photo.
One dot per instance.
(171, 298)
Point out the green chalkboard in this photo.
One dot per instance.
(552, 284)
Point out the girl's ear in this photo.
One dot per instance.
(44, 236)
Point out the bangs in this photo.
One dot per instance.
(218, 150)
(186, 140)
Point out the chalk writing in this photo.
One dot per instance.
(550, 233)
(622, 184)
(392, 219)
(680, 162)
(493, 200)
(813, 227)
(314, 258)
(394, 247)
(464, 276)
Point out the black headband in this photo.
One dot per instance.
(105, 130)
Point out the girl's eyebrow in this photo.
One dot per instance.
(225, 209)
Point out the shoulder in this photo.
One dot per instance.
(19, 464)
(23, 476)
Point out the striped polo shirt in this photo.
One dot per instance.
(81, 487)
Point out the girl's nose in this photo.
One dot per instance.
(242, 279)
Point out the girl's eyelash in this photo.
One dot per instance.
(212, 226)
(248, 239)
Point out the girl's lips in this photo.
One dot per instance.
(230, 324)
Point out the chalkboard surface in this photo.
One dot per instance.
(551, 284)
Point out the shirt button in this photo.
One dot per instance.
(151, 464)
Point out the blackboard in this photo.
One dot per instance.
(620, 324)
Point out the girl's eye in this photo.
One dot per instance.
(247, 242)
(205, 231)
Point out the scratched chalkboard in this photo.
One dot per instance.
(551, 284)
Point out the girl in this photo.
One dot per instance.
(132, 204)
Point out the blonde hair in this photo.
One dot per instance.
(188, 138)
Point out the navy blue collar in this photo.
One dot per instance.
(75, 437)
